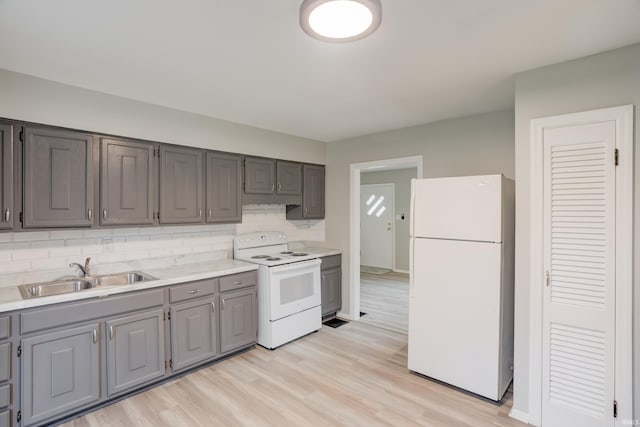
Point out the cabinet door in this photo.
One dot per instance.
(60, 373)
(289, 178)
(126, 182)
(6, 177)
(238, 319)
(135, 350)
(58, 178)
(224, 192)
(181, 182)
(193, 333)
(313, 193)
(331, 291)
(259, 175)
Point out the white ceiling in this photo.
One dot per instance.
(249, 62)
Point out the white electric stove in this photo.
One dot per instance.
(288, 287)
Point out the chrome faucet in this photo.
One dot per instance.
(86, 270)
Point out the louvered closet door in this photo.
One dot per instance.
(579, 256)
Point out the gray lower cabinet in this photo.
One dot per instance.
(6, 177)
(193, 332)
(224, 187)
(259, 175)
(60, 373)
(58, 178)
(181, 185)
(289, 177)
(331, 285)
(126, 182)
(238, 319)
(135, 350)
(312, 194)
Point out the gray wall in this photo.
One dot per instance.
(604, 80)
(481, 144)
(401, 179)
(33, 99)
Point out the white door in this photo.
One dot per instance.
(376, 225)
(578, 347)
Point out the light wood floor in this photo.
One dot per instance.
(354, 375)
(385, 299)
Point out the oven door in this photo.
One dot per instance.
(294, 288)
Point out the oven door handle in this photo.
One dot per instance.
(295, 265)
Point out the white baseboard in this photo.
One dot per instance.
(395, 270)
(519, 415)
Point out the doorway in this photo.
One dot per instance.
(581, 246)
(398, 218)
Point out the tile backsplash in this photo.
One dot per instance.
(45, 255)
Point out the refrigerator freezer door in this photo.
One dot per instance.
(454, 314)
(462, 208)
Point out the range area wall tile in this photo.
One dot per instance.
(36, 256)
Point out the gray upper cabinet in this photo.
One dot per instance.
(259, 175)
(289, 176)
(135, 350)
(312, 194)
(58, 178)
(6, 177)
(60, 373)
(181, 185)
(224, 192)
(238, 320)
(126, 182)
(193, 333)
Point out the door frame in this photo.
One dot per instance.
(354, 220)
(623, 116)
(393, 217)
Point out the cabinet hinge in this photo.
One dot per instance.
(19, 417)
(21, 136)
(168, 315)
(21, 217)
(616, 155)
(19, 350)
(165, 365)
(171, 363)
(615, 409)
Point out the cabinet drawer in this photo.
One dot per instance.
(192, 290)
(238, 281)
(5, 327)
(331, 261)
(5, 362)
(5, 419)
(5, 396)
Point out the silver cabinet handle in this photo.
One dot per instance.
(90, 214)
(210, 213)
(279, 187)
(104, 213)
(195, 291)
(222, 300)
(238, 282)
(7, 215)
(273, 187)
(213, 306)
(110, 332)
(200, 212)
(95, 336)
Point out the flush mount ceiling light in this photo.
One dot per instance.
(340, 20)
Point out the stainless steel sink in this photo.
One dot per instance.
(123, 278)
(59, 287)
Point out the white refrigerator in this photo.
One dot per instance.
(461, 283)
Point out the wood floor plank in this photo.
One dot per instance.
(354, 375)
(385, 299)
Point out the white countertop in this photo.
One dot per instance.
(320, 252)
(10, 298)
